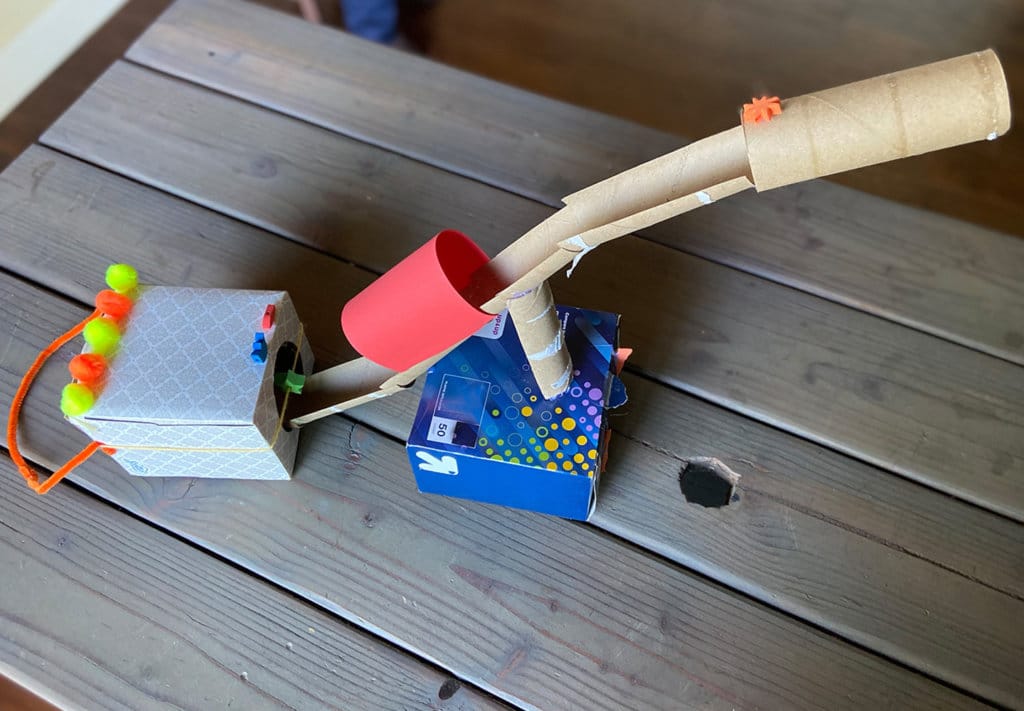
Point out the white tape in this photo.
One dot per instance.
(552, 348)
(577, 241)
(541, 315)
(562, 383)
(704, 198)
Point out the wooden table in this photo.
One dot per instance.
(856, 362)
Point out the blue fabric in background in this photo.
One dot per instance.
(375, 20)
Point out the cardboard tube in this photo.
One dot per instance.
(893, 116)
(536, 320)
(572, 249)
(690, 170)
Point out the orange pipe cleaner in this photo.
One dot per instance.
(31, 477)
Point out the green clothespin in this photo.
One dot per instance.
(291, 381)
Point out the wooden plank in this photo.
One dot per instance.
(824, 538)
(550, 47)
(821, 536)
(102, 611)
(933, 411)
(311, 186)
(908, 265)
(98, 219)
(540, 611)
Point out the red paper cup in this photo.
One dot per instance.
(415, 310)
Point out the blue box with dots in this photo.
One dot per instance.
(484, 432)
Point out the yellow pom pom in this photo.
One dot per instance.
(102, 334)
(76, 400)
(122, 278)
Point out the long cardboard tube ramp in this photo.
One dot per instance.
(903, 114)
(897, 115)
(415, 310)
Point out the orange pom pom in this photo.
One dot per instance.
(87, 368)
(114, 305)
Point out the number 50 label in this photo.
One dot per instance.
(442, 430)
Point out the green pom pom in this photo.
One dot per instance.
(76, 400)
(122, 278)
(102, 334)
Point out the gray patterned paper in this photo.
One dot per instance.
(183, 379)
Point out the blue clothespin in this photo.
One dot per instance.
(259, 348)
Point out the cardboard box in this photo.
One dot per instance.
(483, 432)
(184, 395)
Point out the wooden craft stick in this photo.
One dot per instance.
(342, 387)
(910, 112)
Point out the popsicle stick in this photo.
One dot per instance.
(339, 388)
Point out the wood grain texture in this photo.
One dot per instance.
(908, 265)
(92, 218)
(540, 611)
(829, 540)
(303, 182)
(680, 67)
(821, 536)
(933, 411)
(100, 610)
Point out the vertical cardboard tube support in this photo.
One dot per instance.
(536, 320)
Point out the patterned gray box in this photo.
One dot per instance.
(183, 396)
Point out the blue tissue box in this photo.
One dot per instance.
(484, 432)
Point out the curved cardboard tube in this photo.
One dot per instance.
(651, 192)
(936, 106)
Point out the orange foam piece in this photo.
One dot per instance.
(762, 109)
(620, 358)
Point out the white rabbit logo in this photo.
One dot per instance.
(444, 465)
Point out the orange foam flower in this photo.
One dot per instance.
(761, 109)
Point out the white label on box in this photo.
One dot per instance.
(442, 429)
(493, 328)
